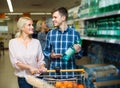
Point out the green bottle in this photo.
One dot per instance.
(70, 51)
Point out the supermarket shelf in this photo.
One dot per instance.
(95, 16)
(105, 40)
(73, 20)
(102, 15)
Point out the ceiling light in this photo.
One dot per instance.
(10, 5)
(14, 13)
(40, 13)
(30, 13)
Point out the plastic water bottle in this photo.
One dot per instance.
(70, 51)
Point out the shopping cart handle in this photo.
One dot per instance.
(68, 70)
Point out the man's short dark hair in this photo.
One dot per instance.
(63, 11)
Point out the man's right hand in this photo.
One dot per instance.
(53, 55)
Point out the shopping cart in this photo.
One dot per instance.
(47, 81)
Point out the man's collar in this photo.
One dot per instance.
(67, 29)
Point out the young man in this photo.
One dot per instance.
(59, 40)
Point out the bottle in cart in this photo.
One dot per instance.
(70, 51)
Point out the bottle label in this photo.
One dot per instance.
(70, 52)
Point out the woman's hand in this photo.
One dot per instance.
(34, 70)
(42, 69)
(31, 69)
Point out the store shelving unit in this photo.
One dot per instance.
(101, 43)
(113, 13)
(100, 39)
(104, 40)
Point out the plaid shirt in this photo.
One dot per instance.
(59, 42)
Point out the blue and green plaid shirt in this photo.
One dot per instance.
(59, 42)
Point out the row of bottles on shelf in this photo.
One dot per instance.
(95, 54)
(101, 73)
(112, 56)
(96, 7)
(102, 53)
(107, 27)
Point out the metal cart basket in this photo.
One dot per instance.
(77, 80)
